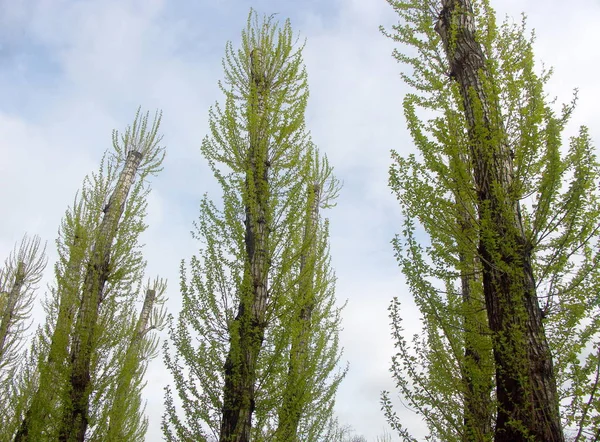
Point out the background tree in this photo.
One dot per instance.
(239, 307)
(19, 276)
(490, 152)
(90, 308)
(125, 414)
(313, 349)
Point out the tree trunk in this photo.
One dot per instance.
(142, 325)
(248, 328)
(525, 383)
(294, 398)
(75, 419)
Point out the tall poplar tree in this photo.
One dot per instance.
(19, 277)
(91, 306)
(123, 417)
(312, 322)
(233, 338)
(512, 222)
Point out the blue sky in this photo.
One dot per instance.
(73, 70)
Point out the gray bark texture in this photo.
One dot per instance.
(142, 325)
(525, 383)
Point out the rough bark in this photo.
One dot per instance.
(142, 325)
(75, 419)
(294, 397)
(247, 331)
(525, 383)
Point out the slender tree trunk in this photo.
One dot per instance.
(11, 302)
(525, 383)
(37, 413)
(118, 415)
(247, 331)
(294, 397)
(75, 419)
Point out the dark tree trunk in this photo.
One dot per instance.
(294, 397)
(525, 383)
(248, 328)
(75, 419)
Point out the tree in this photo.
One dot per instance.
(21, 273)
(512, 222)
(312, 353)
(91, 306)
(233, 339)
(126, 421)
(19, 277)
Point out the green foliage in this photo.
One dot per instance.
(46, 378)
(19, 277)
(262, 157)
(311, 321)
(125, 413)
(556, 188)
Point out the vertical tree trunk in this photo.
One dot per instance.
(75, 419)
(525, 383)
(247, 331)
(294, 397)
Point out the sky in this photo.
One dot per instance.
(71, 71)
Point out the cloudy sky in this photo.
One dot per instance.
(72, 70)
